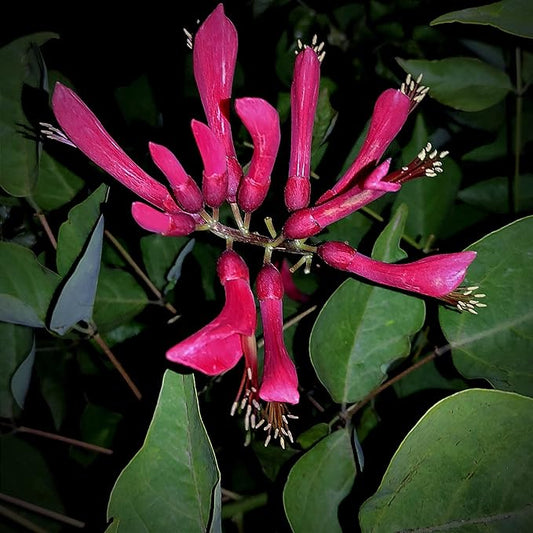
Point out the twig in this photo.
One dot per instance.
(44, 223)
(127, 257)
(116, 364)
(22, 521)
(61, 438)
(42, 511)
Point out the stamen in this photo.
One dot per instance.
(277, 427)
(318, 47)
(462, 299)
(188, 35)
(414, 90)
(55, 134)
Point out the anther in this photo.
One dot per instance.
(282, 442)
(267, 440)
(233, 408)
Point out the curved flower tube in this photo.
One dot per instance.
(262, 122)
(185, 189)
(215, 175)
(304, 98)
(217, 347)
(390, 114)
(279, 382)
(86, 132)
(168, 224)
(437, 276)
(214, 59)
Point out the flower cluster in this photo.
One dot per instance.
(184, 207)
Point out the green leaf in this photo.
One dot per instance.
(324, 122)
(26, 287)
(20, 65)
(73, 233)
(17, 343)
(118, 299)
(56, 186)
(387, 245)
(496, 344)
(174, 273)
(511, 16)
(171, 483)
(20, 381)
(465, 466)
(318, 483)
(159, 254)
(76, 300)
(463, 83)
(360, 331)
(493, 194)
(311, 436)
(26, 475)
(429, 201)
(137, 103)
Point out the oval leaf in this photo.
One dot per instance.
(387, 245)
(20, 65)
(73, 233)
(171, 482)
(465, 466)
(17, 342)
(25, 283)
(20, 381)
(318, 483)
(463, 83)
(496, 344)
(76, 299)
(511, 16)
(359, 332)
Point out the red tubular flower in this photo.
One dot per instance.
(214, 58)
(262, 122)
(280, 382)
(390, 113)
(304, 98)
(186, 191)
(87, 133)
(215, 176)
(437, 276)
(218, 346)
(168, 224)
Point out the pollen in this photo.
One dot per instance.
(318, 47)
(428, 162)
(277, 418)
(463, 299)
(246, 401)
(54, 134)
(414, 90)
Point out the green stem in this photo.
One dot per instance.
(246, 504)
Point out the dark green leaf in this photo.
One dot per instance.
(137, 103)
(318, 483)
(312, 435)
(17, 343)
(387, 245)
(463, 83)
(73, 233)
(56, 186)
(159, 254)
(118, 299)
(26, 475)
(26, 287)
(493, 194)
(20, 66)
(429, 201)
(20, 381)
(489, 152)
(172, 481)
(174, 273)
(471, 451)
(325, 119)
(496, 344)
(359, 333)
(511, 16)
(76, 300)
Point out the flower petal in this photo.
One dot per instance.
(87, 133)
(435, 276)
(169, 224)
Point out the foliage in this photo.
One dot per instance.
(405, 402)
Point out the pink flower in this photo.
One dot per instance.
(279, 382)
(437, 276)
(168, 224)
(218, 346)
(215, 175)
(262, 122)
(304, 98)
(214, 58)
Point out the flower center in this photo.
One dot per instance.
(246, 400)
(464, 299)
(414, 90)
(276, 415)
